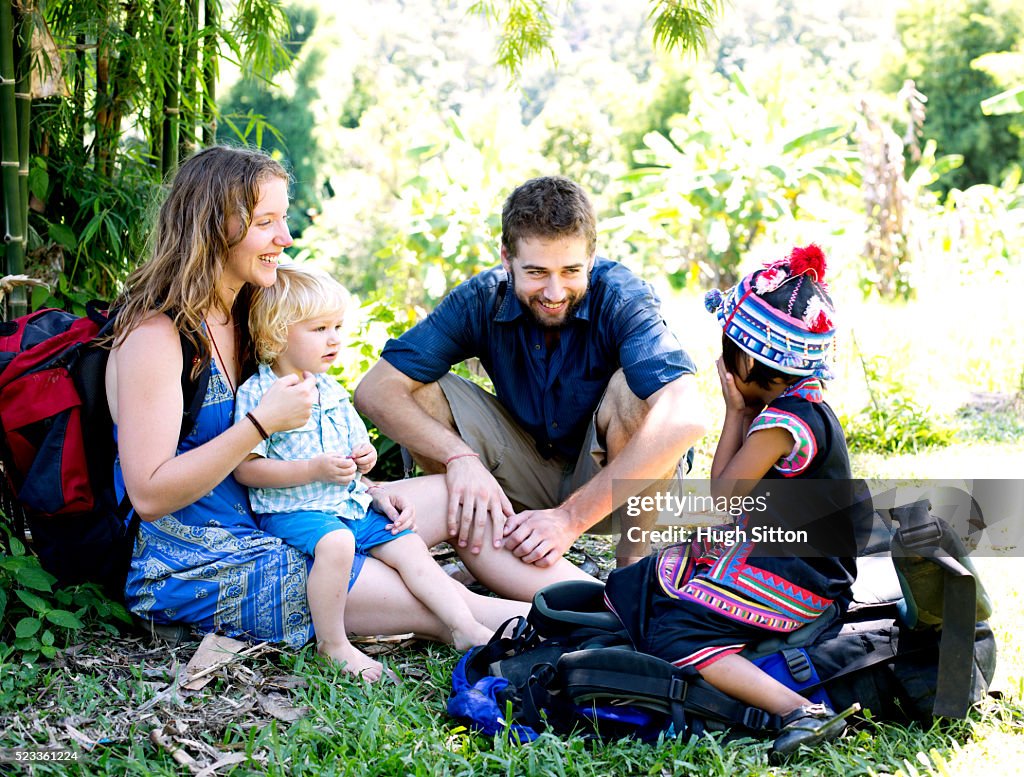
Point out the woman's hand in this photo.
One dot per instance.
(287, 403)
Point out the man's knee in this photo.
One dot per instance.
(432, 400)
(620, 414)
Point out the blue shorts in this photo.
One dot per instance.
(303, 530)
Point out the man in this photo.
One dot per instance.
(591, 388)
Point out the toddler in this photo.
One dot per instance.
(305, 485)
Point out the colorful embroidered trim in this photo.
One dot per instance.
(805, 448)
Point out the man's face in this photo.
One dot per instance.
(549, 276)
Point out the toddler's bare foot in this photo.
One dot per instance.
(354, 661)
(471, 635)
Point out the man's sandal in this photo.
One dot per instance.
(810, 725)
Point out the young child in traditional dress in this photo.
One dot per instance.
(710, 600)
(305, 485)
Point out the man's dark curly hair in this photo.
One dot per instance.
(548, 207)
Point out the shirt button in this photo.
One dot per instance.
(536, 347)
(554, 424)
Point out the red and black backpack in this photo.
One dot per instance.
(57, 443)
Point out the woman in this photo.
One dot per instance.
(199, 557)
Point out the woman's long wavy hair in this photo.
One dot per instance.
(188, 247)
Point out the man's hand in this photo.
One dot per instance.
(365, 457)
(474, 498)
(396, 508)
(332, 468)
(539, 537)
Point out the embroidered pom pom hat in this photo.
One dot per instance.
(781, 315)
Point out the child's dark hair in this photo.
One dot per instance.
(760, 373)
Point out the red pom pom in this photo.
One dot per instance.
(807, 259)
(820, 323)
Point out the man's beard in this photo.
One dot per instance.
(574, 300)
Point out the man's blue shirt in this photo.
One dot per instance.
(552, 395)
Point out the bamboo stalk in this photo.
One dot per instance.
(14, 237)
(170, 13)
(102, 117)
(23, 100)
(120, 74)
(208, 115)
(79, 98)
(189, 78)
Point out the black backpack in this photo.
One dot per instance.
(570, 667)
(57, 445)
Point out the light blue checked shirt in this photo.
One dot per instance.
(333, 427)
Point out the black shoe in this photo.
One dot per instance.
(810, 725)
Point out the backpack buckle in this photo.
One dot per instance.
(755, 718)
(923, 535)
(798, 664)
(677, 688)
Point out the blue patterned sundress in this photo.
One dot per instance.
(209, 566)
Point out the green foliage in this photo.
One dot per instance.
(254, 105)
(734, 164)
(99, 154)
(941, 40)
(892, 422)
(683, 24)
(672, 99)
(526, 29)
(36, 620)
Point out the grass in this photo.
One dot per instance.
(354, 729)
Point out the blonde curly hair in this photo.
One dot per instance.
(299, 294)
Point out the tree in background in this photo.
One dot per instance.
(135, 88)
(736, 163)
(941, 39)
(275, 112)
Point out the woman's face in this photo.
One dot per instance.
(255, 259)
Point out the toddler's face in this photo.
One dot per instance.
(313, 345)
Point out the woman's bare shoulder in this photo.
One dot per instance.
(154, 331)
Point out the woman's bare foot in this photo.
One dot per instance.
(471, 635)
(353, 660)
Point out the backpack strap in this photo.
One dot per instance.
(923, 534)
(647, 681)
(193, 392)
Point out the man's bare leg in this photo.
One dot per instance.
(618, 418)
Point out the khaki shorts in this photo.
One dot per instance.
(530, 481)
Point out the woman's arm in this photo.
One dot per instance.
(147, 404)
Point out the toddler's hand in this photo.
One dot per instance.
(396, 508)
(365, 457)
(333, 468)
